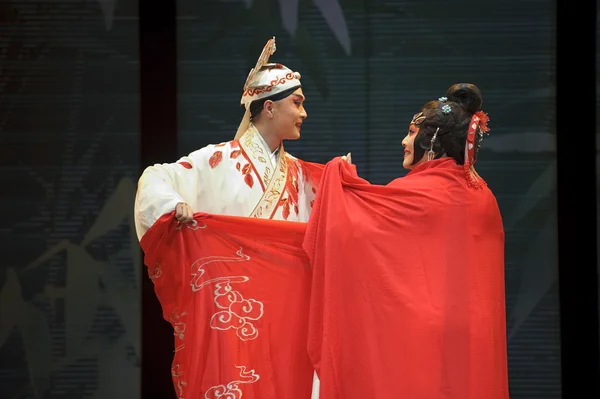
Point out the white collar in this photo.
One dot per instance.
(265, 144)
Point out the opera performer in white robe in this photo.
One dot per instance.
(250, 176)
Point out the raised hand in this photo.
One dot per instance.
(184, 213)
(348, 158)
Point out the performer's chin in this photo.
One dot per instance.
(295, 136)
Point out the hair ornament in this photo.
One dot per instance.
(417, 119)
(483, 121)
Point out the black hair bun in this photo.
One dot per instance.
(467, 95)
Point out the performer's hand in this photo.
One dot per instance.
(184, 213)
(348, 158)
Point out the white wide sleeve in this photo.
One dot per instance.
(162, 186)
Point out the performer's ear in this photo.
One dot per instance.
(268, 108)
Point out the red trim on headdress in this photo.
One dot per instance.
(473, 178)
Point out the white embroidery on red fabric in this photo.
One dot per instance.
(236, 312)
(193, 225)
(232, 390)
(233, 310)
(178, 329)
(155, 273)
(177, 375)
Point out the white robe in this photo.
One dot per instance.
(237, 178)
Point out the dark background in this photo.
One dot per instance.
(91, 92)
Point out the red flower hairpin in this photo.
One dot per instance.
(483, 121)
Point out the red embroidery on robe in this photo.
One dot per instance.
(215, 159)
(235, 153)
(185, 164)
(249, 180)
(238, 166)
(247, 172)
(291, 187)
(306, 173)
(285, 204)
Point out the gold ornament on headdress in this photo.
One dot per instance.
(263, 59)
(417, 119)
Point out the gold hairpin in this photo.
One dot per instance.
(418, 119)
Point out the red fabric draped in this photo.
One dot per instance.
(407, 293)
(236, 292)
(405, 298)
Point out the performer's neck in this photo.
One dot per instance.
(270, 138)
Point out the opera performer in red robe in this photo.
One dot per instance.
(238, 304)
(407, 297)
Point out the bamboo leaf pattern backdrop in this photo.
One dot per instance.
(69, 106)
(363, 88)
(69, 134)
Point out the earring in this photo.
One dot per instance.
(430, 153)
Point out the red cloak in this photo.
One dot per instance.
(407, 295)
(236, 292)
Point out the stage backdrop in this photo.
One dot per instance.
(598, 155)
(69, 134)
(69, 139)
(367, 66)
